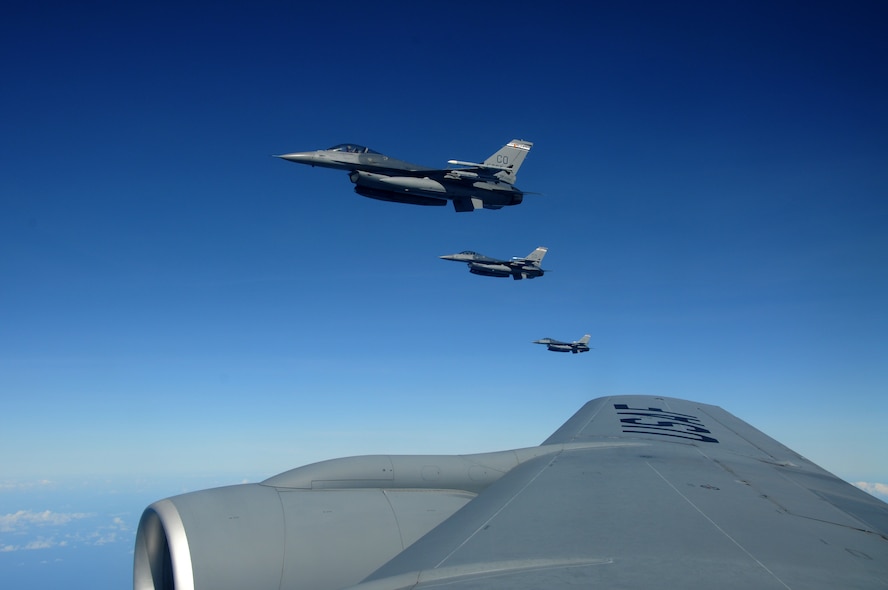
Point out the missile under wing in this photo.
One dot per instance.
(631, 492)
(489, 184)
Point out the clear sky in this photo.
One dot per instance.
(177, 304)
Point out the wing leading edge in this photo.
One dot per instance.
(698, 498)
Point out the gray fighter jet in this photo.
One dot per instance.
(489, 185)
(518, 268)
(632, 492)
(581, 345)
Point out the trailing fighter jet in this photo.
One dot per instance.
(518, 268)
(581, 345)
(489, 185)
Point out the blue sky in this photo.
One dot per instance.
(179, 308)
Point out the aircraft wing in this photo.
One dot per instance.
(650, 492)
(468, 174)
(488, 260)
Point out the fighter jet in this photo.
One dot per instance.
(518, 268)
(581, 345)
(489, 185)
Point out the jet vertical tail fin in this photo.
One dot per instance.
(536, 256)
(584, 339)
(510, 157)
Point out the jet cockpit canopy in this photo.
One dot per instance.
(351, 148)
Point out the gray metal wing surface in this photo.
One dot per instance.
(692, 497)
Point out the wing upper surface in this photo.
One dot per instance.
(702, 499)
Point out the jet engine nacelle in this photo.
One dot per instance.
(259, 537)
(323, 526)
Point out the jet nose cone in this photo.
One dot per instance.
(299, 157)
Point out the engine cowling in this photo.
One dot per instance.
(260, 537)
(323, 526)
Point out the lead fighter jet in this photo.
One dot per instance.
(488, 185)
(581, 345)
(518, 268)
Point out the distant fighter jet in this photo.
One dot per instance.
(489, 185)
(518, 268)
(581, 345)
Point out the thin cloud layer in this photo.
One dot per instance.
(27, 530)
(879, 490)
(39, 543)
(23, 519)
(17, 486)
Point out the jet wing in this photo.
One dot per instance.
(477, 166)
(488, 260)
(478, 172)
(469, 256)
(681, 495)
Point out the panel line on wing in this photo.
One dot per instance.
(499, 510)
(487, 570)
(740, 435)
(721, 530)
(591, 418)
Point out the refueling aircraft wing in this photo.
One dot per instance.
(649, 492)
(631, 492)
